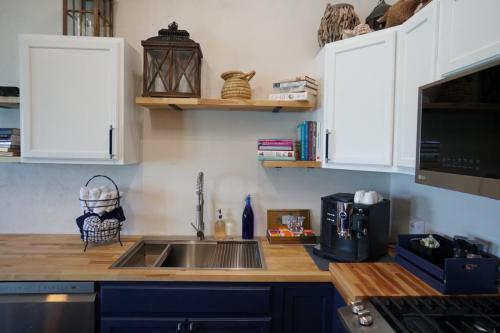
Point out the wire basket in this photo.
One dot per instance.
(95, 228)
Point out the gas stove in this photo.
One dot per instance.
(474, 314)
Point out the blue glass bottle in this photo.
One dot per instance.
(247, 220)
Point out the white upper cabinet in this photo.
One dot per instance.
(77, 105)
(469, 33)
(416, 66)
(358, 101)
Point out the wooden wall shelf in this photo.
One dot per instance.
(291, 164)
(224, 104)
(9, 102)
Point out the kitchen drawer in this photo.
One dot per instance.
(184, 300)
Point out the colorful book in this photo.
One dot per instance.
(295, 90)
(275, 153)
(10, 154)
(275, 142)
(294, 84)
(8, 149)
(270, 158)
(266, 147)
(297, 96)
(10, 131)
(318, 141)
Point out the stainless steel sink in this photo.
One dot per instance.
(191, 254)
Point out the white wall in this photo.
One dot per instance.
(276, 38)
(445, 211)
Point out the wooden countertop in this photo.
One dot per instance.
(61, 257)
(360, 280)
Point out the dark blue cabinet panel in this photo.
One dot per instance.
(143, 325)
(308, 309)
(338, 302)
(233, 325)
(185, 300)
(219, 307)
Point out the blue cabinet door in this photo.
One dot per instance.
(308, 309)
(143, 325)
(230, 325)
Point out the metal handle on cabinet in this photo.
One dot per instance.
(327, 144)
(179, 327)
(111, 142)
(191, 327)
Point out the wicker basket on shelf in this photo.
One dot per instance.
(236, 85)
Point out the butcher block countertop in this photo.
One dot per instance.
(360, 280)
(61, 257)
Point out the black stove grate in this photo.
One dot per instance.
(440, 314)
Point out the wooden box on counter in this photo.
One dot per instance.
(274, 222)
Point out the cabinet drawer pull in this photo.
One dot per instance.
(179, 327)
(110, 142)
(191, 327)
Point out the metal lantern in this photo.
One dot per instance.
(88, 18)
(172, 64)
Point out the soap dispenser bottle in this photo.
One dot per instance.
(247, 220)
(220, 226)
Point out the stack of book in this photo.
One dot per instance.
(10, 142)
(309, 141)
(275, 150)
(302, 88)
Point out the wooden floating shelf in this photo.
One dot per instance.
(9, 102)
(224, 104)
(10, 159)
(291, 164)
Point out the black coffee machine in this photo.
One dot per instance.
(351, 231)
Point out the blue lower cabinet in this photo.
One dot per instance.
(143, 325)
(232, 325)
(178, 307)
(308, 309)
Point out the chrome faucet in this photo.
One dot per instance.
(200, 225)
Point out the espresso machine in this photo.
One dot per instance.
(353, 232)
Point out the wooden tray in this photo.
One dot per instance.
(274, 222)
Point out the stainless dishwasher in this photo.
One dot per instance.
(47, 307)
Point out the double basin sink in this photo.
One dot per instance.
(192, 254)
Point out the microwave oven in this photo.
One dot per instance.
(458, 144)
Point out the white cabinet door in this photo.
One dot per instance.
(416, 66)
(359, 99)
(469, 33)
(72, 93)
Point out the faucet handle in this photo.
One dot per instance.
(199, 232)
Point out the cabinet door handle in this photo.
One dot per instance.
(191, 327)
(179, 327)
(110, 141)
(327, 144)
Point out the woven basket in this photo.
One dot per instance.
(236, 85)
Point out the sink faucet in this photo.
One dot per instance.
(200, 225)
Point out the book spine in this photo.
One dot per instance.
(310, 140)
(270, 148)
(9, 131)
(302, 146)
(318, 141)
(275, 153)
(270, 158)
(294, 84)
(299, 142)
(287, 142)
(296, 90)
(313, 154)
(299, 96)
(306, 141)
